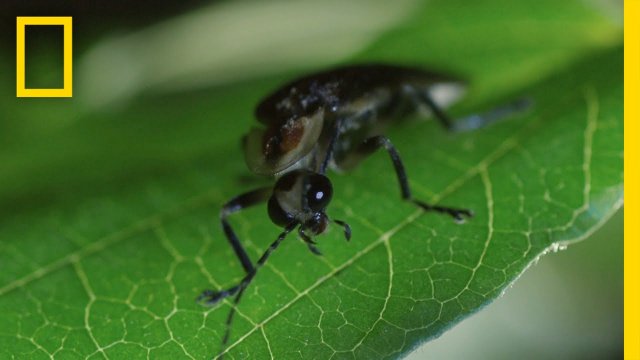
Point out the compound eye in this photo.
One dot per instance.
(277, 215)
(318, 192)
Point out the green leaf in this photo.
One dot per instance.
(109, 227)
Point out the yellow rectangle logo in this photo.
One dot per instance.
(22, 22)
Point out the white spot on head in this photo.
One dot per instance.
(319, 195)
(445, 94)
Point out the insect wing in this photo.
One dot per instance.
(273, 149)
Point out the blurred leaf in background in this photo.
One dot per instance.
(109, 199)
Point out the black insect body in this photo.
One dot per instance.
(331, 120)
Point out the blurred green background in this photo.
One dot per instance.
(146, 74)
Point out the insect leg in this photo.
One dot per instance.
(437, 111)
(249, 277)
(373, 143)
(234, 205)
(367, 114)
(477, 121)
(474, 121)
(331, 147)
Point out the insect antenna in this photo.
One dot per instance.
(346, 227)
(247, 280)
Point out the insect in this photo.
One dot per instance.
(332, 119)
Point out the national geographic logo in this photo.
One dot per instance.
(22, 22)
